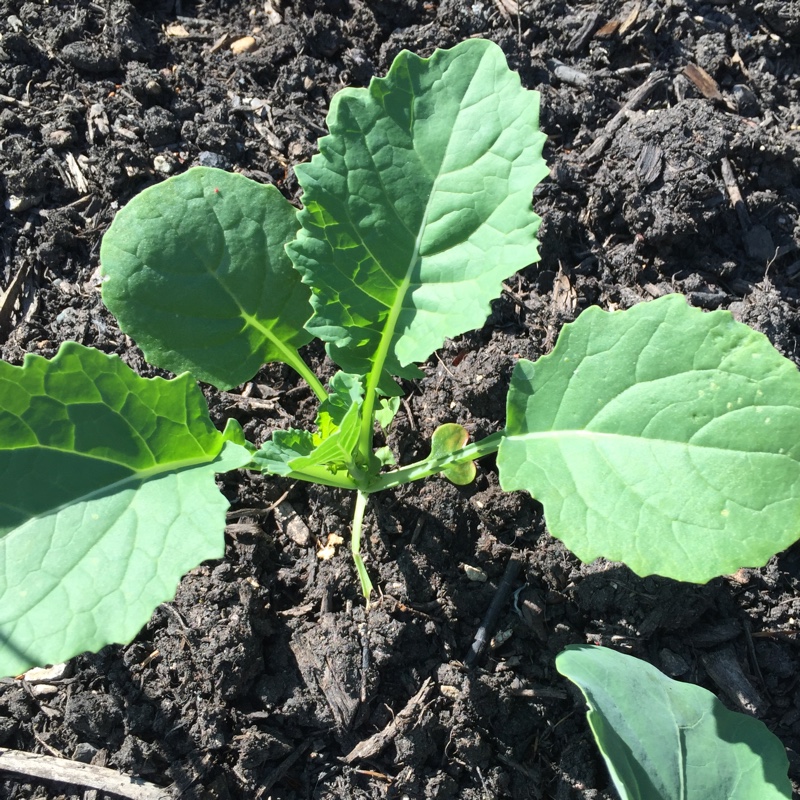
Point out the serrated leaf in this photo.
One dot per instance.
(661, 436)
(197, 274)
(447, 439)
(107, 497)
(666, 740)
(345, 391)
(332, 446)
(277, 453)
(418, 206)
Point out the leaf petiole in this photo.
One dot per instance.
(294, 360)
(431, 466)
(355, 543)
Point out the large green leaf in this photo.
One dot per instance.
(666, 740)
(418, 206)
(107, 497)
(197, 274)
(660, 436)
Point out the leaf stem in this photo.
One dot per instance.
(322, 476)
(294, 360)
(355, 543)
(374, 377)
(430, 466)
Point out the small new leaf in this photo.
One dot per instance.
(446, 440)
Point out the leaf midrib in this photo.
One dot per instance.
(579, 433)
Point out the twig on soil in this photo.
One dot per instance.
(637, 97)
(61, 770)
(378, 741)
(490, 620)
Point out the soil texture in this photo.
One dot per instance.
(674, 150)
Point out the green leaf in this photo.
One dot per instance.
(666, 740)
(276, 454)
(197, 274)
(447, 439)
(661, 436)
(291, 452)
(387, 411)
(418, 206)
(107, 497)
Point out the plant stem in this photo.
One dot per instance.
(430, 466)
(355, 543)
(324, 477)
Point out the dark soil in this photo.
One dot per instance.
(267, 670)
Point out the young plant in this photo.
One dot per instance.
(666, 740)
(659, 436)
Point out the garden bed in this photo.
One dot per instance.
(673, 148)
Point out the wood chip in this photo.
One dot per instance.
(705, 84)
(638, 96)
(565, 298)
(650, 164)
(507, 8)
(630, 20)
(608, 30)
(9, 297)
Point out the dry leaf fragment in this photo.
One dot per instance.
(177, 30)
(272, 14)
(328, 550)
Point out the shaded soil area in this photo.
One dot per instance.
(674, 135)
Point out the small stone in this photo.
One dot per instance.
(55, 673)
(759, 244)
(309, 83)
(61, 138)
(16, 204)
(293, 526)
(672, 663)
(207, 158)
(164, 164)
(244, 45)
(84, 752)
(44, 690)
(474, 573)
